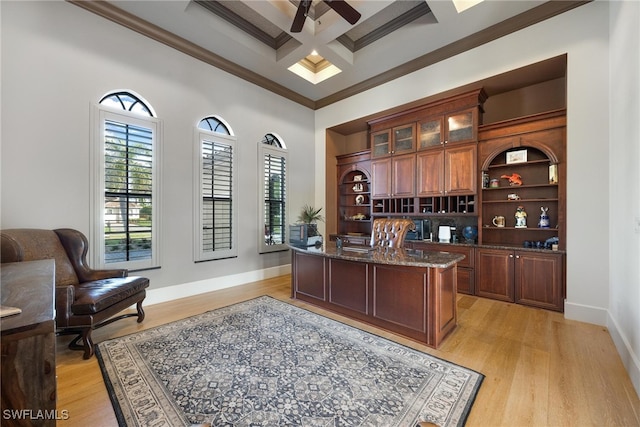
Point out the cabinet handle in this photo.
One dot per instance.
(518, 256)
(511, 256)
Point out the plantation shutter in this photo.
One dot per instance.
(128, 165)
(274, 198)
(217, 194)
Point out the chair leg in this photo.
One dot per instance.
(88, 343)
(84, 335)
(140, 311)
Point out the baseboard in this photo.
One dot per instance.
(629, 358)
(170, 293)
(585, 313)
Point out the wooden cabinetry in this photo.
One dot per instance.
(532, 149)
(413, 301)
(394, 141)
(447, 172)
(466, 267)
(393, 176)
(444, 133)
(538, 141)
(530, 278)
(452, 128)
(28, 344)
(354, 195)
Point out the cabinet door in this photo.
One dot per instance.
(430, 133)
(460, 168)
(403, 179)
(461, 127)
(430, 173)
(381, 178)
(381, 143)
(538, 280)
(404, 139)
(494, 274)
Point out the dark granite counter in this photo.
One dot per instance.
(488, 246)
(392, 256)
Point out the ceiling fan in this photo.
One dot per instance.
(340, 6)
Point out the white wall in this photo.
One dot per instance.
(595, 293)
(58, 59)
(624, 185)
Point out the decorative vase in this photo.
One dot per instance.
(544, 218)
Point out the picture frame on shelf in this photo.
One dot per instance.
(519, 156)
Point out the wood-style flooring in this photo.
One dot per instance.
(541, 370)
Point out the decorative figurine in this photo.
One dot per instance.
(521, 217)
(544, 218)
(514, 179)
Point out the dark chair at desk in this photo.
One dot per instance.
(85, 299)
(390, 232)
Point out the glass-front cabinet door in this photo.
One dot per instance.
(460, 127)
(381, 143)
(404, 139)
(430, 132)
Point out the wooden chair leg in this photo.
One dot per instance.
(140, 312)
(88, 343)
(84, 335)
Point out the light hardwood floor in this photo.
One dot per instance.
(541, 370)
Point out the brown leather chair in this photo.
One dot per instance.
(390, 232)
(85, 299)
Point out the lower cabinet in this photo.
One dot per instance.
(524, 277)
(466, 271)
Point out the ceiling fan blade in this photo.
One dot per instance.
(345, 10)
(301, 15)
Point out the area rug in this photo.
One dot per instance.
(265, 362)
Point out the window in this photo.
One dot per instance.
(216, 216)
(272, 177)
(125, 183)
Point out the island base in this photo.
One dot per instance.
(416, 302)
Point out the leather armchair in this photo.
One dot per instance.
(86, 299)
(390, 232)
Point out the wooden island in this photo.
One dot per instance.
(408, 292)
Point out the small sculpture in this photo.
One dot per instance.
(514, 179)
(521, 217)
(544, 218)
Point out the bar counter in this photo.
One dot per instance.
(408, 292)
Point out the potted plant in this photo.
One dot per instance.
(306, 231)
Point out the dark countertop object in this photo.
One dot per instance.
(475, 245)
(379, 255)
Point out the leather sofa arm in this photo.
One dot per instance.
(64, 297)
(76, 245)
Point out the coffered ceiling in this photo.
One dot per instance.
(334, 59)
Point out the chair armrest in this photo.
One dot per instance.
(89, 275)
(64, 297)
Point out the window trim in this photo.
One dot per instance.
(198, 254)
(263, 150)
(101, 113)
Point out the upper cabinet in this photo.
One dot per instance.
(452, 128)
(397, 140)
(422, 157)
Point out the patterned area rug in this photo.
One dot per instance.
(265, 362)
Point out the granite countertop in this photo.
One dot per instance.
(489, 246)
(379, 255)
